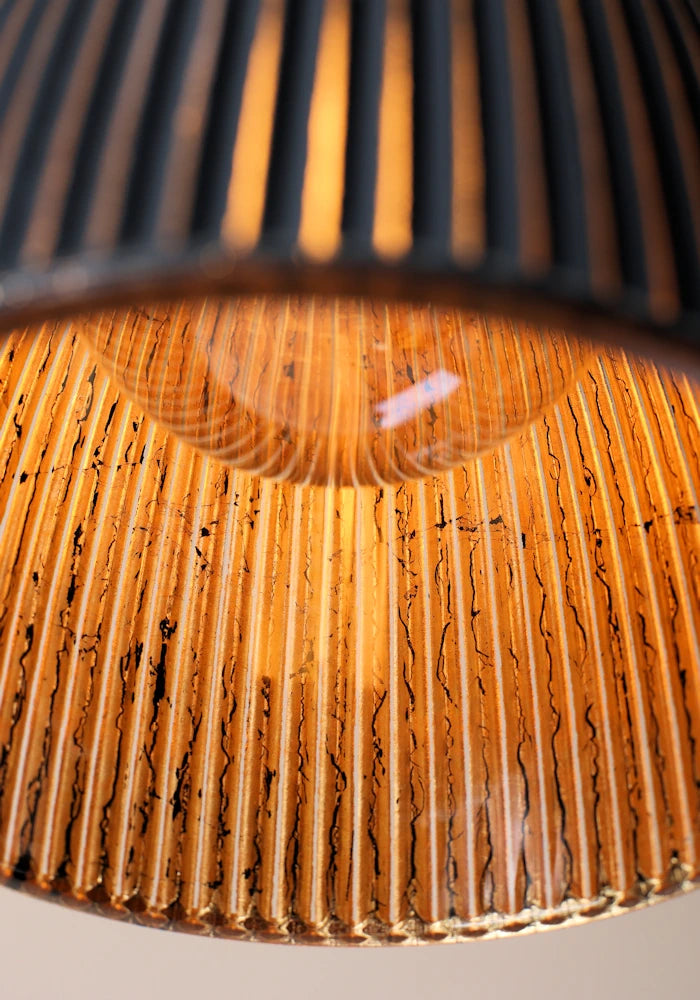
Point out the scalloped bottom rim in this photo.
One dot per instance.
(373, 933)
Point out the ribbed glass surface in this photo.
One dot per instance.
(436, 709)
(333, 391)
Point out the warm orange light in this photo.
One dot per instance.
(334, 391)
(348, 591)
(439, 708)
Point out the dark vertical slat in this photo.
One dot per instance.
(669, 34)
(685, 63)
(628, 215)
(561, 139)
(285, 180)
(224, 110)
(366, 60)
(668, 156)
(432, 122)
(694, 10)
(19, 54)
(154, 136)
(32, 158)
(495, 80)
(5, 11)
(95, 129)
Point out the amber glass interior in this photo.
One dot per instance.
(329, 391)
(451, 706)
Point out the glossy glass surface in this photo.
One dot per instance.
(334, 391)
(456, 706)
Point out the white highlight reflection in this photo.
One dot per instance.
(404, 405)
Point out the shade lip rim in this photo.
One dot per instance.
(412, 931)
(493, 284)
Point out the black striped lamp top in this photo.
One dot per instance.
(540, 156)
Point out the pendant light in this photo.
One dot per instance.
(350, 462)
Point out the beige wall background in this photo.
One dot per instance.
(48, 951)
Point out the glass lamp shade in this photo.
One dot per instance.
(349, 462)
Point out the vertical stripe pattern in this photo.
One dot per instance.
(434, 710)
(545, 147)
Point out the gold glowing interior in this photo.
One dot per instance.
(437, 708)
(334, 391)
